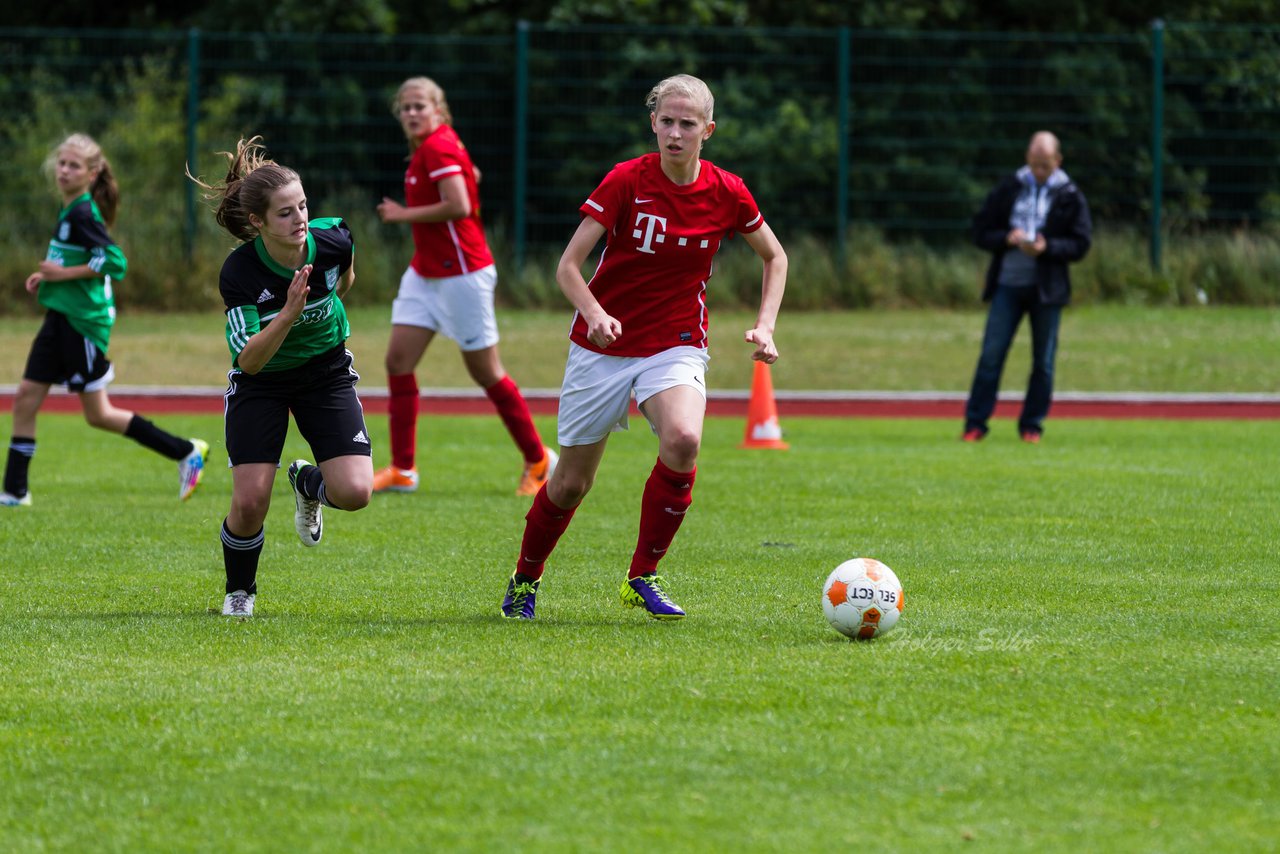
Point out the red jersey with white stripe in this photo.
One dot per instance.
(443, 249)
(661, 241)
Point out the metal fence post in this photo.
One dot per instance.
(521, 158)
(1157, 139)
(843, 65)
(193, 127)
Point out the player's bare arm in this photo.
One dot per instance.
(264, 343)
(773, 282)
(52, 271)
(602, 329)
(348, 279)
(454, 204)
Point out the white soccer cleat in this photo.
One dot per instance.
(238, 604)
(308, 517)
(7, 500)
(191, 469)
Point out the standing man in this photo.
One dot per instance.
(1034, 223)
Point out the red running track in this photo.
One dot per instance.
(799, 404)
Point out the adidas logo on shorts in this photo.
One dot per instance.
(361, 438)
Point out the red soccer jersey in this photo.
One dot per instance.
(662, 239)
(442, 249)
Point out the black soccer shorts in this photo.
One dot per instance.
(322, 397)
(61, 355)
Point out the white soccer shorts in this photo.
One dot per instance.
(457, 307)
(595, 398)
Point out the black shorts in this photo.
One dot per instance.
(322, 397)
(61, 355)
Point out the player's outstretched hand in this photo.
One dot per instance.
(766, 350)
(389, 210)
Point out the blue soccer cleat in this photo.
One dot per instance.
(191, 468)
(648, 592)
(522, 596)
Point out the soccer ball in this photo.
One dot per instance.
(862, 598)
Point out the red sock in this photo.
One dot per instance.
(544, 523)
(667, 495)
(403, 411)
(510, 404)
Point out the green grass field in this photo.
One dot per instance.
(1088, 659)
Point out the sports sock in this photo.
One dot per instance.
(240, 557)
(21, 450)
(402, 410)
(310, 482)
(150, 436)
(667, 495)
(544, 523)
(513, 410)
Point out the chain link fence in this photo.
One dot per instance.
(1169, 130)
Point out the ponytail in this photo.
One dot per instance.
(251, 180)
(106, 193)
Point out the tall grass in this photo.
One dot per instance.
(875, 272)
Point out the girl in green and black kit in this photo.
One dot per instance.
(74, 284)
(286, 331)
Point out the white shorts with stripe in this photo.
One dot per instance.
(457, 307)
(595, 398)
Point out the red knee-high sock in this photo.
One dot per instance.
(510, 404)
(544, 523)
(667, 495)
(403, 411)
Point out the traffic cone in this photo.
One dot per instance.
(763, 430)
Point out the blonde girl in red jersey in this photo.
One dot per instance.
(640, 329)
(447, 289)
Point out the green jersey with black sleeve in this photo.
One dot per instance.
(254, 288)
(81, 238)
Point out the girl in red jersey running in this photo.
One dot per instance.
(641, 329)
(448, 288)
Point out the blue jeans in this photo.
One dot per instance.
(1007, 308)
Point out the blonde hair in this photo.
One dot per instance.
(434, 94)
(683, 86)
(104, 190)
(251, 180)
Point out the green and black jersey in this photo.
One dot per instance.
(254, 288)
(88, 304)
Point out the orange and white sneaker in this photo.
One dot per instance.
(392, 479)
(536, 474)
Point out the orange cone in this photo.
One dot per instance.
(763, 430)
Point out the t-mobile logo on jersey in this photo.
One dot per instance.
(646, 231)
(647, 225)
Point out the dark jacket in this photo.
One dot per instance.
(1067, 230)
